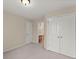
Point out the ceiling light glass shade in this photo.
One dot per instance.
(25, 2)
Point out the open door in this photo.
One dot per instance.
(41, 33)
(41, 40)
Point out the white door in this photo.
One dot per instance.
(60, 34)
(67, 34)
(51, 40)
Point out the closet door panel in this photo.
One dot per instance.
(60, 34)
(67, 25)
(52, 42)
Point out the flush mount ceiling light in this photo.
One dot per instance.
(25, 2)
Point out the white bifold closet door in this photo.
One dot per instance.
(60, 34)
(51, 40)
(68, 34)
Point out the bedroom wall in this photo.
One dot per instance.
(28, 31)
(14, 31)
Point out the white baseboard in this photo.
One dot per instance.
(17, 46)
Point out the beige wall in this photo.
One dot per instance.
(14, 31)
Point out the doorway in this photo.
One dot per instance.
(41, 33)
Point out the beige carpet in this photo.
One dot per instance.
(33, 51)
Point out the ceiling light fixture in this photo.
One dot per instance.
(25, 2)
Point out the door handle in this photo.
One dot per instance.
(60, 37)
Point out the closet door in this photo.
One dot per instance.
(51, 40)
(60, 34)
(66, 25)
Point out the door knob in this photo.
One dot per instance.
(60, 37)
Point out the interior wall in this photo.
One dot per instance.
(13, 31)
(28, 31)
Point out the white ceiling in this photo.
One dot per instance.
(37, 8)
